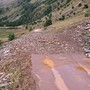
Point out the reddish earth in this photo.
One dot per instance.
(65, 50)
(67, 66)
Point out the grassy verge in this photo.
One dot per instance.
(5, 32)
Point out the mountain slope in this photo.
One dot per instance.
(20, 12)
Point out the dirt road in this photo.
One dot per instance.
(66, 75)
(68, 68)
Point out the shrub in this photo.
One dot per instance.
(49, 16)
(26, 27)
(2, 10)
(74, 13)
(58, 8)
(46, 18)
(62, 18)
(1, 42)
(48, 10)
(30, 29)
(11, 36)
(58, 3)
(80, 4)
(87, 14)
(86, 6)
(72, 7)
(67, 1)
(48, 22)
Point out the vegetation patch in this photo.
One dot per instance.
(62, 18)
(4, 33)
(86, 6)
(11, 36)
(87, 14)
(48, 22)
(1, 42)
(48, 10)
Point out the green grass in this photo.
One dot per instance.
(5, 32)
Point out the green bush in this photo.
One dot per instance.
(48, 22)
(26, 27)
(11, 36)
(72, 7)
(1, 42)
(50, 16)
(50, 1)
(87, 14)
(62, 18)
(30, 29)
(80, 4)
(67, 1)
(48, 10)
(2, 10)
(86, 6)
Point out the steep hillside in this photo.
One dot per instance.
(18, 12)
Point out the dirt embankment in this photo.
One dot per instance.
(15, 68)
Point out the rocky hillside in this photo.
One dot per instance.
(15, 68)
(17, 12)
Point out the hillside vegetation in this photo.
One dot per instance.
(32, 12)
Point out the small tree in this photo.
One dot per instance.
(30, 29)
(48, 22)
(11, 36)
(62, 18)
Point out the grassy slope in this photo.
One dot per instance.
(68, 22)
(5, 32)
(31, 10)
(40, 7)
(67, 10)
